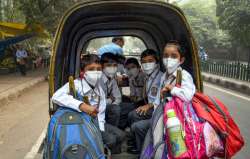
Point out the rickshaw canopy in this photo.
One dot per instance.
(155, 23)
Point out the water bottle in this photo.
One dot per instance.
(175, 133)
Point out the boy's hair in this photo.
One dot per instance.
(89, 59)
(132, 60)
(115, 39)
(150, 52)
(179, 47)
(120, 59)
(108, 57)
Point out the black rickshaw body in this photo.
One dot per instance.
(155, 23)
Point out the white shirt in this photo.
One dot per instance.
(63, 98)
(21, 54)
(153, 83)
(185, 92)
(110, 88)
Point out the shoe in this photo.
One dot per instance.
(133, 151)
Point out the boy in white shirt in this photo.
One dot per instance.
(88, 87)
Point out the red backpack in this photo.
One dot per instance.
(215, 112)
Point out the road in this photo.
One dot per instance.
(23, 120)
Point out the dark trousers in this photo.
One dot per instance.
(113, 114)
(22, 69)
(139, 130)
(126, 108)
(133, 116)
(139, 125)
(113, 138)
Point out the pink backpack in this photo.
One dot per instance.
(200, 138)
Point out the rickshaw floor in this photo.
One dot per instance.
(124, 154)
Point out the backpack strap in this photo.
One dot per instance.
(224, 134)
(72, 88)
(178, 77)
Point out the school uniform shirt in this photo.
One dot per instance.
(136, 85)
(185, 92)
(153, 83)
(21, 54)
(96, 97)
(110, 88)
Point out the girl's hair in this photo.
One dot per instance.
(179, 47)
(89, 59)
(132, 60)
(150, 52)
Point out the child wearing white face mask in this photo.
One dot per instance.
(136, 84)
(109, 84)
(173, 57)
(88, 87)
(139, 119)
(113, 99)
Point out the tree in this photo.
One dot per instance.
(201, 15)
(46, 12)
(234, 16)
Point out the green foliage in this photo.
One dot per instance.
(201, 15)
(46, 12)
(8, 63)
(234, 16)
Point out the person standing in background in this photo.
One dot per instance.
(21, 56)
(114, 47)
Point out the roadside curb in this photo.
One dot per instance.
(9, 95)
(229, 84)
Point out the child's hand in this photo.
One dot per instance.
(166, 89)
(91, 110)
(142, 110)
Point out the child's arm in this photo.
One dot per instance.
(187, 89)
(63, 98)
(101, 111)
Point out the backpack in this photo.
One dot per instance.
(73, 134)
(215, 112)
(199, 137)
(154, 146)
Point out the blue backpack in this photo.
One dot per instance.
(73, 135)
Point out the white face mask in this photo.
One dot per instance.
(110, 71)
(92, 76)
(148, 68)
(171, 64)
(133, 72)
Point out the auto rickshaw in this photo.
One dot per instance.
(155, 23)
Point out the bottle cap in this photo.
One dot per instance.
(171, 113)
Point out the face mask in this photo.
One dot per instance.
(133, 72)
(110, 71)
(148, 68)
(171, 64)
(92, 76)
